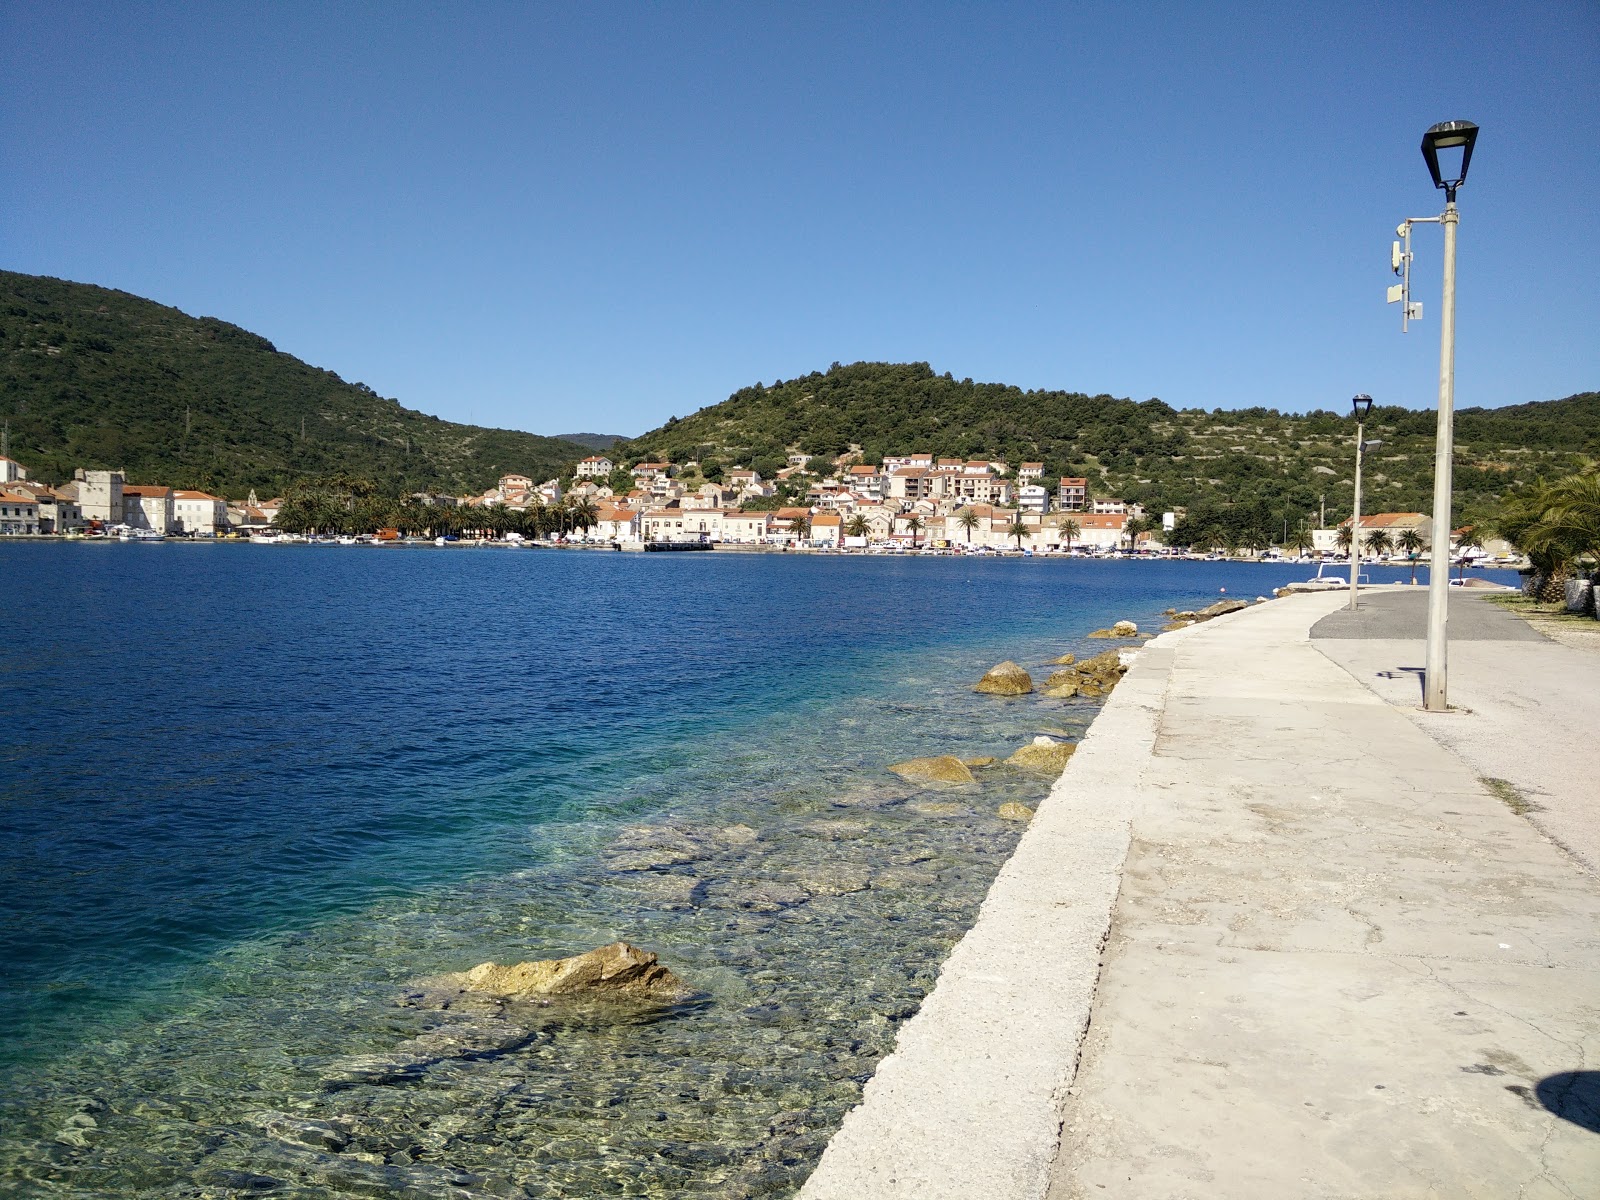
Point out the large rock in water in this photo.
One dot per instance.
(1043, 754)
(941, 768)
(618, 970)
(1008, 679)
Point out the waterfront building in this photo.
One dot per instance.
(199, 512)
(99, 495)
(1101, 531)
(148, 506)
(19, 512)
(827, 529)
(616, 523)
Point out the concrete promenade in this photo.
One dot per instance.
(1272, 936)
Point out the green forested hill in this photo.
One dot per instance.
(91, 377)
(1279, 466)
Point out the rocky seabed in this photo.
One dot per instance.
(802, 896)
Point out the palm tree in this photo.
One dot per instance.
(1557, 525)
(856, 527)
(914, 525)
(968, 520)
(1379, 542)
(1135, 527)
(1344, 537)
(1070, 531)
(1410, 542)
(1302, 537)
(585, 515)
(1017, 530)
(1473, 536)
(800, 526)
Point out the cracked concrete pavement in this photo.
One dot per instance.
(1269, 936)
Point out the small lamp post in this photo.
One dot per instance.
(1362, 407)
(1450, 138)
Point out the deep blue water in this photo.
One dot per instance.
(215, 750)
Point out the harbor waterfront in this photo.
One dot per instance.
(250, 799)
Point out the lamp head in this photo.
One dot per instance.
(1362, 405)
(1450, 137)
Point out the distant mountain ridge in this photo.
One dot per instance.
(594, 441)
(94, 377)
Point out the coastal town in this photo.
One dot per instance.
(906, 502)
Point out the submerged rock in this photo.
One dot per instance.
(1013, 811)
(1066, 660)
(1044, 754)
(1007, 679)
(936, 808)
(983, 760)
(617, 970)
(942, 768)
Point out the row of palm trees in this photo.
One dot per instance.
(334, 512)
(857, 527)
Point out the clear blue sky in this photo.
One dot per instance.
(594, 217)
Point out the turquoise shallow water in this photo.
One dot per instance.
(251, 795)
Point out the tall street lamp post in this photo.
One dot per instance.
(1362, 407)
(1453, 140)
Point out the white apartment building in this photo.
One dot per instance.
(678, 524)
(596, 466)
(199, 512)
(11, 470)
(1033, 498)
(1030, 472)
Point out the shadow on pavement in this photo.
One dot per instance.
(1573, 1096)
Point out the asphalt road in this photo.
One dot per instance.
(1403, 615)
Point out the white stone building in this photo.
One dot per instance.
(199, 513)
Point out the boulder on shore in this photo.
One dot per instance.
(616, 971)
(1122, 629)
(940, 768)
(1221, 608)
(1007, 679)
(1043, 754)
(1066, 660)
(1012, 811)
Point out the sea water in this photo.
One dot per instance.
(251, 796)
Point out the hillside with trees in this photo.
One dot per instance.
(1255, 467)
(91, 377)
